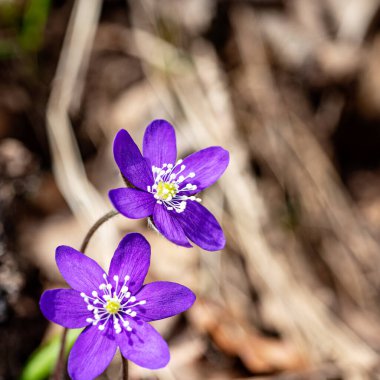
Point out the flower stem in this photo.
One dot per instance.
(58, 373)
(93, 229)
(124, 362)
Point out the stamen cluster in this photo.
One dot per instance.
(167, 186)
(115, 302)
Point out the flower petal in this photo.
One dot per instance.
(201, 227)
(168, 226)
(131, 163)
(131, 258)
(144, 346)
(207, 164)
(65, 307)
(91, 353)
(159, 145)
(79, 271)
(163, 300)
(132, 203)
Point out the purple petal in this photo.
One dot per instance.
(144, 346)
(131, 258)
(79, 271)
(91, 353)
(159, 145)
(163, 300)
(201, 227)
(131, 163)
(65, 307)
(207, 164)
(168, 226)
(132, 203)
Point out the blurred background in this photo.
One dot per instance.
(291, 88)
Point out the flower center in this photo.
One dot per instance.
(116, 304)
(112, 306)
(169, 188)
(166, 190)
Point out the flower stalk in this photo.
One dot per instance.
(59, 368)
(124, 362)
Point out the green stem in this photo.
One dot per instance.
(59, 368)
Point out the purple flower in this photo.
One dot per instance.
(114, 308)
(166, 189)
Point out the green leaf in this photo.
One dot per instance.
(42, 362)
(33, 25)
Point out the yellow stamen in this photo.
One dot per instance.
(113, 306)
(166, 190)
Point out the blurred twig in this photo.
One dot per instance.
(70, 174)
(293, 154)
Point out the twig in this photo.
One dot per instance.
(81, 196)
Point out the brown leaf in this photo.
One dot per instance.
(236, 337)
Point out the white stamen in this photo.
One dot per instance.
(114, 304)
(167, 188)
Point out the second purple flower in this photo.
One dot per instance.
(114, 309)
(165, 188)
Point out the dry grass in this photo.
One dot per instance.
(310, 278)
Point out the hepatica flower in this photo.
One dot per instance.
(113, 308)
(165, 188)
